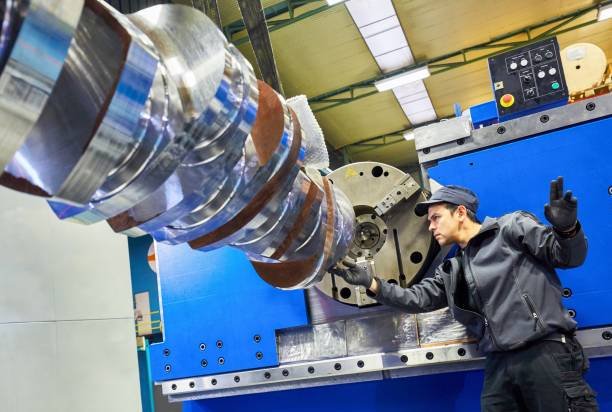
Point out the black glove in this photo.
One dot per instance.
(354, 275)
(562, 212)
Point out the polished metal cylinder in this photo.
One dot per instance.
(156, 124)
(35, 37)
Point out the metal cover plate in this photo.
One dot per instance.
(211, 297)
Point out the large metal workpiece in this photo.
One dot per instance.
(156, 124)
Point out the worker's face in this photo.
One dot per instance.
(444, 224)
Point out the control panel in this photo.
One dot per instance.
(528, 79)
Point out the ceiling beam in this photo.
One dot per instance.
(255, 22)
(376, 140)
(284, 7)
(371, 143)
(459, 58)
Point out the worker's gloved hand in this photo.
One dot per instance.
(562, 211)
(354, 274)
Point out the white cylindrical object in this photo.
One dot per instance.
(584, 65)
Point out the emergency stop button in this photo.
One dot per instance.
(506, 100)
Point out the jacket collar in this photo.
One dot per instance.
(488, 226)
(490, 223)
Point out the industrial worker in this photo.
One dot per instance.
(503, 287)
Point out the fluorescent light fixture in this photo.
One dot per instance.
(332, 2)
(401, 79)
(409, 135)
(605, 12)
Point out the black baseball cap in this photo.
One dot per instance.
(457, 195)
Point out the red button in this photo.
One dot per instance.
(506, 100)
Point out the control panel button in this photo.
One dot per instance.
(524, 62)
(548, 54)
(526, 79)
(552, 71)
(513, 66)
(506, 100)
(537, 57)
(555, 85)
(541, 74)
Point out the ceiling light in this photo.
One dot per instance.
(409, 135)
(409, 76)
(605, 12)
(332, 2)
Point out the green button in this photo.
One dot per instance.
(555, 86)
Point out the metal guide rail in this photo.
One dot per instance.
(375, 366)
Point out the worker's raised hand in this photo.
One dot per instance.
(352, 274)
(562, 210)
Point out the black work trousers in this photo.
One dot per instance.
(544, 376)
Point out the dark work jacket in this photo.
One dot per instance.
(509, 267)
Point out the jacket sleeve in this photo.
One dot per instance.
(547, 245)
(425, 296)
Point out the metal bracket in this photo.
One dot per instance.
(445, 131)
(405, 189)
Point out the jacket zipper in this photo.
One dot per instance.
(528, 302)
(486, 322)
(465, 265)
(534, 314)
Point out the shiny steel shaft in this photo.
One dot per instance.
(156, 124)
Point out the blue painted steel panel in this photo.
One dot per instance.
(210, 297)
(558, 103)
(447, 392)
(517, 176)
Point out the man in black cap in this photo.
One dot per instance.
(503, 287)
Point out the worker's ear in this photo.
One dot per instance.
(461, 212)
